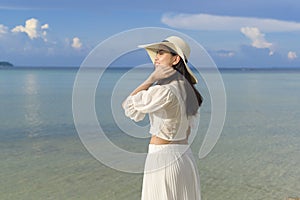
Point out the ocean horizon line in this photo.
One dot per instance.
(128, 67)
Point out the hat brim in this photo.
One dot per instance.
(152, 50)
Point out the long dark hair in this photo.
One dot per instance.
(193, 97)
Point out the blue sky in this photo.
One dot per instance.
(236, 33)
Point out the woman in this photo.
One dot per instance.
(169, 97)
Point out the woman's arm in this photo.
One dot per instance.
(160, 72)
(144, 86)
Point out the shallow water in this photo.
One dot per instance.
(42, 157)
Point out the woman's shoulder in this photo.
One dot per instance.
(172, 83)
(173, 88)
(161, 91)
(164, 87)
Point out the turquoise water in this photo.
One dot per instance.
(42, 157)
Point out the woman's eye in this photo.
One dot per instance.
(160, 52)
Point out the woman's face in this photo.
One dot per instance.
(165, 58)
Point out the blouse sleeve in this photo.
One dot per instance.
(147, 101)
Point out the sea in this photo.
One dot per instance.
(42, 155)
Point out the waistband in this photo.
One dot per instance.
(178, 148)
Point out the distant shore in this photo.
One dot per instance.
(5, 64)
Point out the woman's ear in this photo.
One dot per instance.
(176, 60)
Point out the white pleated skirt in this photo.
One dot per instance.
(170, 173)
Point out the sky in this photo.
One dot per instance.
(235, 33)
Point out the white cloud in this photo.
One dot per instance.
(257, 38)
(32, 29)
(215, 22)
(225, 53)
(292, 55)
(45, 26)
(76, 43)
(3, 29)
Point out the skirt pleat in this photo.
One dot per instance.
(170, 174)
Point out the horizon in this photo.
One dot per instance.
(145, 67)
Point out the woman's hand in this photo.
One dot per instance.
(161, 72)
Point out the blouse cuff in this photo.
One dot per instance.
(130, 111)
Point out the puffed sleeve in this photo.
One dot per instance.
(147, 101)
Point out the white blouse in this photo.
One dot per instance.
(165, 105)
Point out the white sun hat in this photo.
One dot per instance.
(178, 45)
